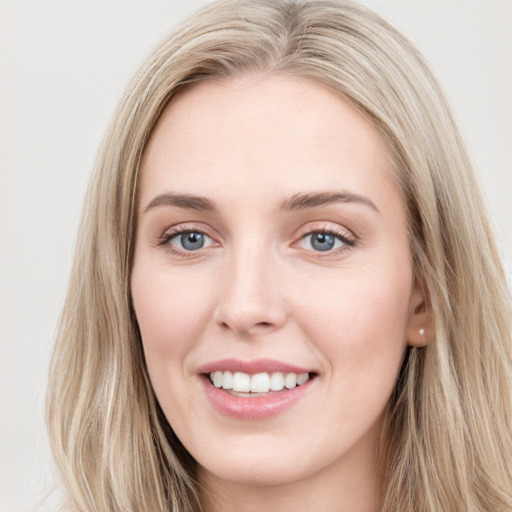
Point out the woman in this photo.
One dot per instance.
(285, 290)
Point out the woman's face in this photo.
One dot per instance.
(272, 246)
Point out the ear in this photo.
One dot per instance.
(420, 325)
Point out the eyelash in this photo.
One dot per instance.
(347, 240)
(175, 231)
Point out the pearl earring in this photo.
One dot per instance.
(422, 331)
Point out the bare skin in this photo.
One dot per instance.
(269, 227)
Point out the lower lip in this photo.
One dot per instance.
(255, 408)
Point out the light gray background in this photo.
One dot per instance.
(63, 66)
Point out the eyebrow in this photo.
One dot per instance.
(186, 201)
(312, 200)
(300, 201)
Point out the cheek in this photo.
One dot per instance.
(360, 327)
(171, 310)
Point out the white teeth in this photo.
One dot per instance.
(227, 381)
(260, 383)
(277, 381)
(241, 382)
(302, 378)
(217, 379)
(290, 381)
(257, 383)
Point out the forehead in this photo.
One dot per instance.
(285, 131)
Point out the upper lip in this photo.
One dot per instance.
(253, 366)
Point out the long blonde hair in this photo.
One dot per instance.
(448, 437)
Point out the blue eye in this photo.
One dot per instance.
(323, 241)
(190, 240)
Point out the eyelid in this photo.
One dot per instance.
(348, 238)
(326, 227)
(178, 229)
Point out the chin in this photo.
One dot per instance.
(266, 471)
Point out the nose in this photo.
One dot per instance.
(252, 300)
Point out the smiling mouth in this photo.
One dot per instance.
(258, 384)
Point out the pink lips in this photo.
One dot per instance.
(256, 366)
(252, 408)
